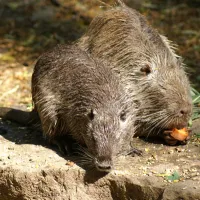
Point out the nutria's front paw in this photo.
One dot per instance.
(170, 140)
(63, 146)
(176, 136)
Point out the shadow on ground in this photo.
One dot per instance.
(21, 135)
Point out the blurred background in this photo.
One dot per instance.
(30, 27)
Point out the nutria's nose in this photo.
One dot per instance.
(106, 168)
(104, 165)
(185, 112)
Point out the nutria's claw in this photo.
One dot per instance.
(134, 152)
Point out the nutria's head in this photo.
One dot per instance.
(164, 98)
(109, 126)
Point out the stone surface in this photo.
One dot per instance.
(196, 126)
(31, 169)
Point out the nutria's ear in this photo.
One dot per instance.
(91, 114)
(146, 69)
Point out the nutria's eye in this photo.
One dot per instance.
(91, 114)
(146, 69)
(123, 116)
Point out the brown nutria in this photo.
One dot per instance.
(147, 61)
(77, 95)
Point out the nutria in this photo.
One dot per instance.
(146, 60)
(78, 95)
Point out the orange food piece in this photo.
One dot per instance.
(179, 134)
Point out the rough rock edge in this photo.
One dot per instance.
(31, 170)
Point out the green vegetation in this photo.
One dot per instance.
(175, 177)
(196, 103)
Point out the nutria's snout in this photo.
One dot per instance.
(180, 117)
(185, 110)
(103, 164)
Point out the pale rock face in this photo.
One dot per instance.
(31, 170)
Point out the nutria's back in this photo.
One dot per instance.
(144, 59)
(78, 95)
(122, 35)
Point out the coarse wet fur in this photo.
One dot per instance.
(145, 60)
(77, 95)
